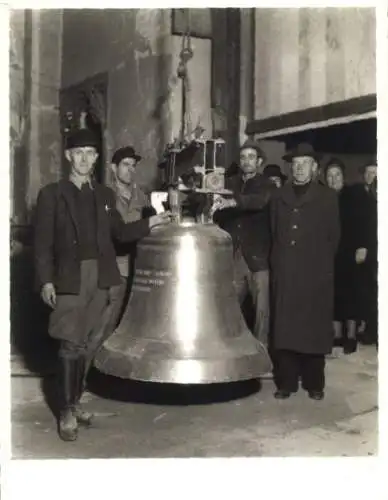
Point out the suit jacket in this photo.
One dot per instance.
(56, 250)
(248, 223)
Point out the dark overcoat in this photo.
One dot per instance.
(305, 235)
(346, 268)
(365, 218)
(56, 247)
(248, 222)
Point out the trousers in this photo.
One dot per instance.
(110, 318)
(257, 285)
(77, 317)
(289, 366)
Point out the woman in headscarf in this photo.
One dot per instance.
(345, 299)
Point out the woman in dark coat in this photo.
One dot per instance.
(345, 275)
(365, 201)
(305, 230)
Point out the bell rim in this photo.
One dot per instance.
(172, 371)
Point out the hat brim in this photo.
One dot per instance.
(81, 144)
(280, 175)
(289, 156)
(137, 158)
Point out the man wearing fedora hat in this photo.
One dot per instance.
(75, 263)
(274, 173)
(246, 218)
(305, 232)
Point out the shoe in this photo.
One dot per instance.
(83, 417)
(350, 346)
(317, 395)
(338, 342)
(281, 394)
(68, 426)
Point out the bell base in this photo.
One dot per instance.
(184, 371)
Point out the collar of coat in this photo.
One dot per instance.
(66, 191)
(287, 194)
(78, 182)
(237, 182)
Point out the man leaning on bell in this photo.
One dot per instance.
(76, 226)
(246, 218)
(133, 204)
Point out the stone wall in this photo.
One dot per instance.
(134, 49)
(310, 57)
(36, 38)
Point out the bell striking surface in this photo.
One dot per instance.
(183, 322)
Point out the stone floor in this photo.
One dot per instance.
(138, 420)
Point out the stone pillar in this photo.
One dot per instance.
(34, 82)
(33, 163)
(44, 137)
(20, 89)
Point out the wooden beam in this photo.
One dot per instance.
(330, 114)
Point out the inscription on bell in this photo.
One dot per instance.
(149, 281)
(146, 279)
(148, 272)
(140, 288)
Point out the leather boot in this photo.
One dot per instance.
(83, 417)
(67, 423)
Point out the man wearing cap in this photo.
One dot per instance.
(133, 205)
(246, 218)
(274, 173)
(75, 263)
(305, 230)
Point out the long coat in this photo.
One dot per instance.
(248, 222)
(305, 237)
(365, 217)
(346, 268)
(56, 248)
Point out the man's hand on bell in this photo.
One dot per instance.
(227, 203)
(162, 219)
(48, 294)
(361, 254)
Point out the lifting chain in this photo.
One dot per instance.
(185, 55)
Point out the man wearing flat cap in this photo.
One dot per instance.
(76, 226)
(132, 204)
(246, 218)
(305, 230)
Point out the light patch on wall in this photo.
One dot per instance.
(55, 159)
(152, 24)
(243, 124)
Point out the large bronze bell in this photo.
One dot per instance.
(183, 323)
